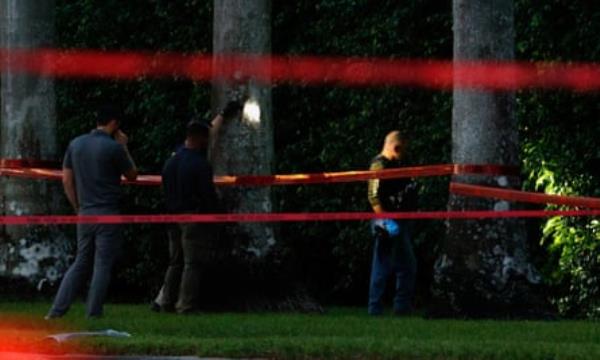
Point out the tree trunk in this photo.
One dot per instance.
(244, 145)
(483, 268)
(28, 131)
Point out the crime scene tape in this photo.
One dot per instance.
(304, 70)
(522, 196)
(283, 217)
(298, 179)
(350, 176)
(28, 163)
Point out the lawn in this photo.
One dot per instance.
(341, 333)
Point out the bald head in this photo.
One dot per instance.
(393, 146)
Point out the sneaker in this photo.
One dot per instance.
(154, 306)
(52, 316)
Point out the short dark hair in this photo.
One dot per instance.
(106, 113)
(197, 128)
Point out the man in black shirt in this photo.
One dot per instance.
(392, 252)
(187, 179)
(189, 188)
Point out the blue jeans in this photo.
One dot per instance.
(98, 246)
(392, 255)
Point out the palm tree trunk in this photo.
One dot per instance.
(28, 131)
(484, 268)
(244, 145)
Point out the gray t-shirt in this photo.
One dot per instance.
(97, 161)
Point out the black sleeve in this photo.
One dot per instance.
(169, 184)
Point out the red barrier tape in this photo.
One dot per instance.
(488, 169)
(435, 74)
(28, 163)
(32, 173)
(337, 177)
(297, 179)
(348, 176)
(283, 217)
(523, 196)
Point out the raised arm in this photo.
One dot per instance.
(126, 162)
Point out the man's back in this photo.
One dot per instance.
(188, 183)
(97, 161)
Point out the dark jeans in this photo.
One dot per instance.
(191, 248)
(98, 246)
(393, 255)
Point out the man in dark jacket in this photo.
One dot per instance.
(189, 189)
(392, 251)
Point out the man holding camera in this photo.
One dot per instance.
(392, 251)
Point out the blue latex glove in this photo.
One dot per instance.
(389, 225)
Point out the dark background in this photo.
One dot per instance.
(335, 128)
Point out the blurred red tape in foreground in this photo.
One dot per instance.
(311, 70)
(26, 337)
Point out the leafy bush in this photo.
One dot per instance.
(573, 244)
(560, 152)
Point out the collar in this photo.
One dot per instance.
(100, 133)
(200, 151)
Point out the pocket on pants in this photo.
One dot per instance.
(384, 243)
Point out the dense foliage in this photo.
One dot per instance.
(560, 152)
(334, 128)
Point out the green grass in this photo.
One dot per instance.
(341, 333)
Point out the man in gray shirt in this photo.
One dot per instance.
(92, 169)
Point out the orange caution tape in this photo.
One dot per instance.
(523, 196)
(298, 179)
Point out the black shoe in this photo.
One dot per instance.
(154, 307)
(403, 312)
(169, 308)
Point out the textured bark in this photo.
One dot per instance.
(27, 130)
(484, 268)
(244, 145)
